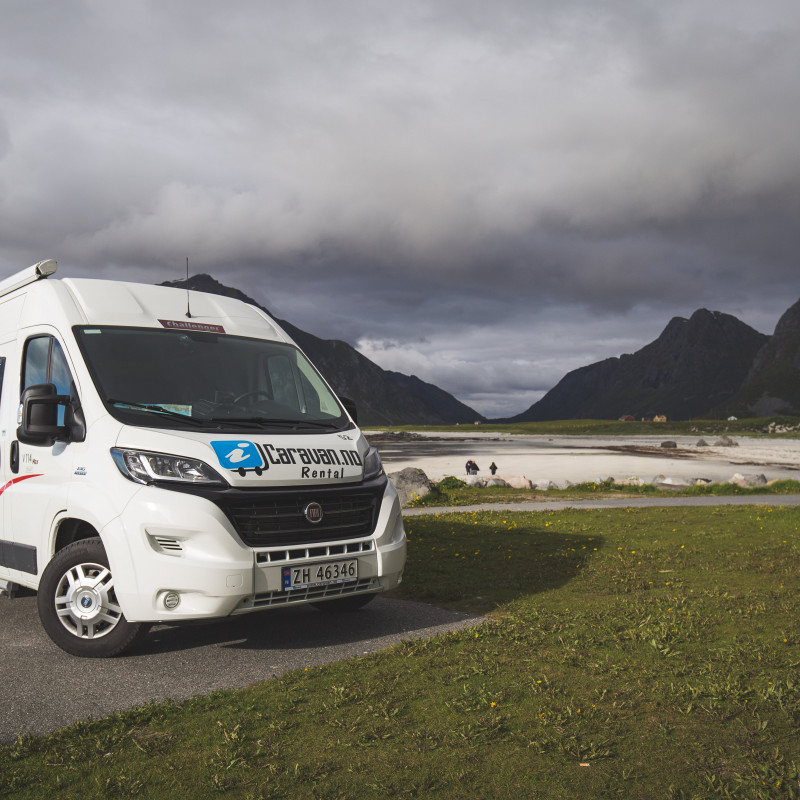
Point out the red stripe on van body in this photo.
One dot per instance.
(20, 478)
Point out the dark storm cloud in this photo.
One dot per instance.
(505, 190)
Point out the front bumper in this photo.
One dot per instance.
(174, 543)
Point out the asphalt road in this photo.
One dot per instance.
(43, 689)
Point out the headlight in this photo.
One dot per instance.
(144, 467)
(372, 464)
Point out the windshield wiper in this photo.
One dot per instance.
(258, 420)
(315, 423)
(232, 422)
(294, 424)
(154, 408)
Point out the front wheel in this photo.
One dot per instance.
(78, 604)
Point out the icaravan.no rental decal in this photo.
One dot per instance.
(314, 462)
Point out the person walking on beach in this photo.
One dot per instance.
(493, 468)
(469, 467)
(474, 468)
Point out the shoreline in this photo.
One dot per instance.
(563, 459)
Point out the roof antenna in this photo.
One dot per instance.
(188, 311)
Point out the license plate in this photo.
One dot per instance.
(305, 576)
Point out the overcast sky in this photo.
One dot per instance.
(483, 194)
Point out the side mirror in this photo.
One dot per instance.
(350, 408)
(38, 423)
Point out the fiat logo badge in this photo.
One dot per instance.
(313, 513)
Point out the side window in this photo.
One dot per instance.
(45, 362)
(59, 371)
(37, 356)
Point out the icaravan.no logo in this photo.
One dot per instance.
(314, 462)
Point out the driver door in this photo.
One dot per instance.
(37, 488)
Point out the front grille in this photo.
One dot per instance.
(277, 519)
(303, 553)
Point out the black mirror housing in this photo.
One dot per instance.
(39, 409)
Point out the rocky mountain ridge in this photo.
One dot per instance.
(709, 365)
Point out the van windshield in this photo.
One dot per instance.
(170, 378)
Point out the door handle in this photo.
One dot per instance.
(13, 461)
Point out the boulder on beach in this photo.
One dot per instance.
(667, 482)
(748, 481)
(518, 482)
(496, 481)
(670, 444)
(725, 441)
(630, 481)
(410, 483)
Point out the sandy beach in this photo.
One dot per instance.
(576, 459)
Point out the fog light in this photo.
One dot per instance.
(171, 600)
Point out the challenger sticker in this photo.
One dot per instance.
(183, 325)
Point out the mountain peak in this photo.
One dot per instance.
(789, 324)
(203, 282)
(693, 366)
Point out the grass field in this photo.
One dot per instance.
(649, 653)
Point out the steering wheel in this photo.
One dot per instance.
(254, 393)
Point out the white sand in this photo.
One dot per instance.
(587, 458)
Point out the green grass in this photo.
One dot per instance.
(453, 492)
(757, 426)
(650, 653)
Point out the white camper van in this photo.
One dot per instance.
(167, 457)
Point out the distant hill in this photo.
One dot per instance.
(382, 397)
(695, 365)
(445, 404)
(772, 385)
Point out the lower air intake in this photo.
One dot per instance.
(316, 593)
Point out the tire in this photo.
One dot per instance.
(78, 605)
(351, 602)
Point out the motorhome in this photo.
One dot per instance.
(169, 455)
